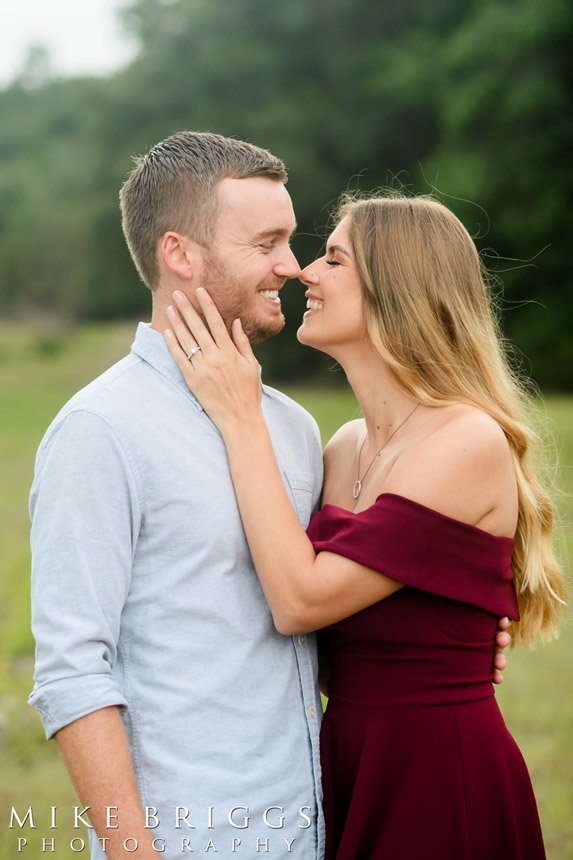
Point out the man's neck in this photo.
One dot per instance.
(161, 299)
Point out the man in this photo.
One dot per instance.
(187, 723)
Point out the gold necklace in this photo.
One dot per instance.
(359, 481)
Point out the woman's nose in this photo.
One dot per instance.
(309, 276)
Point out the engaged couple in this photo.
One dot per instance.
(187, 546)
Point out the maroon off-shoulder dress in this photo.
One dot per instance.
(417, 761)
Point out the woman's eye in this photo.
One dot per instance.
(332, 262)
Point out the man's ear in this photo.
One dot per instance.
(179, 255)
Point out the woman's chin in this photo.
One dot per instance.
(304, 336)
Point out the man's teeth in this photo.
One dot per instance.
(314, 305)
(270, 294)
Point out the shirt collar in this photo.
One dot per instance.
(150, 345)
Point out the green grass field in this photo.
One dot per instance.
(38, 373)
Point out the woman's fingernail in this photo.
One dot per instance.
(171, 311)
(177, 295)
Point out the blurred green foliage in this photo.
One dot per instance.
(536, 696)
(471, 99)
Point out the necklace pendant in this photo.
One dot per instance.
(356, 489)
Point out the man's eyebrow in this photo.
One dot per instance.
(332, 248)
(279, 232)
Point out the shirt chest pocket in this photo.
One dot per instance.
(300, 486)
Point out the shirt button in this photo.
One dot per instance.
(301, 639)
(311, 712)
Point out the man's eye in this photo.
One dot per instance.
(268, 246)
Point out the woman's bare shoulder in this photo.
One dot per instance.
(468, 428)
(461, 466)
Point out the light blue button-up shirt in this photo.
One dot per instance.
(145, 596)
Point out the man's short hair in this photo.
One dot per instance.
(173, 187)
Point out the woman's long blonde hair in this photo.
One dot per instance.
(430, 316)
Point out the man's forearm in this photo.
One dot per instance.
(97, 756)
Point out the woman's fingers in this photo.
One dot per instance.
(213, 318)
(180, 356)
(502, 639)
(186, 340)
(187, 324)
(214, 331)
(242, 342)
(185, 317)
(499, 665)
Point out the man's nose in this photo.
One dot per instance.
(288, 267)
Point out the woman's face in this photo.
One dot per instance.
(335, 316)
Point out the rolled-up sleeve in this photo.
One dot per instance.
(85, 506)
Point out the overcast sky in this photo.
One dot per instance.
(83, 35)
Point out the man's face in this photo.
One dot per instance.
(249, 259)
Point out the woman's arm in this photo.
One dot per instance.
(305, 591)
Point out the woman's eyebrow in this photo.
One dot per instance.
(332, 248)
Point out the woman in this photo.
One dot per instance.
(428, 501)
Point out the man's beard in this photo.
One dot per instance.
(230, 297)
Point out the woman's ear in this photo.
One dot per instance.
(179, 255)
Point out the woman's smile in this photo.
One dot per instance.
(313, 303)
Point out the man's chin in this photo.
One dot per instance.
(258, 331)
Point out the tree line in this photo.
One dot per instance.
(469, 100)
